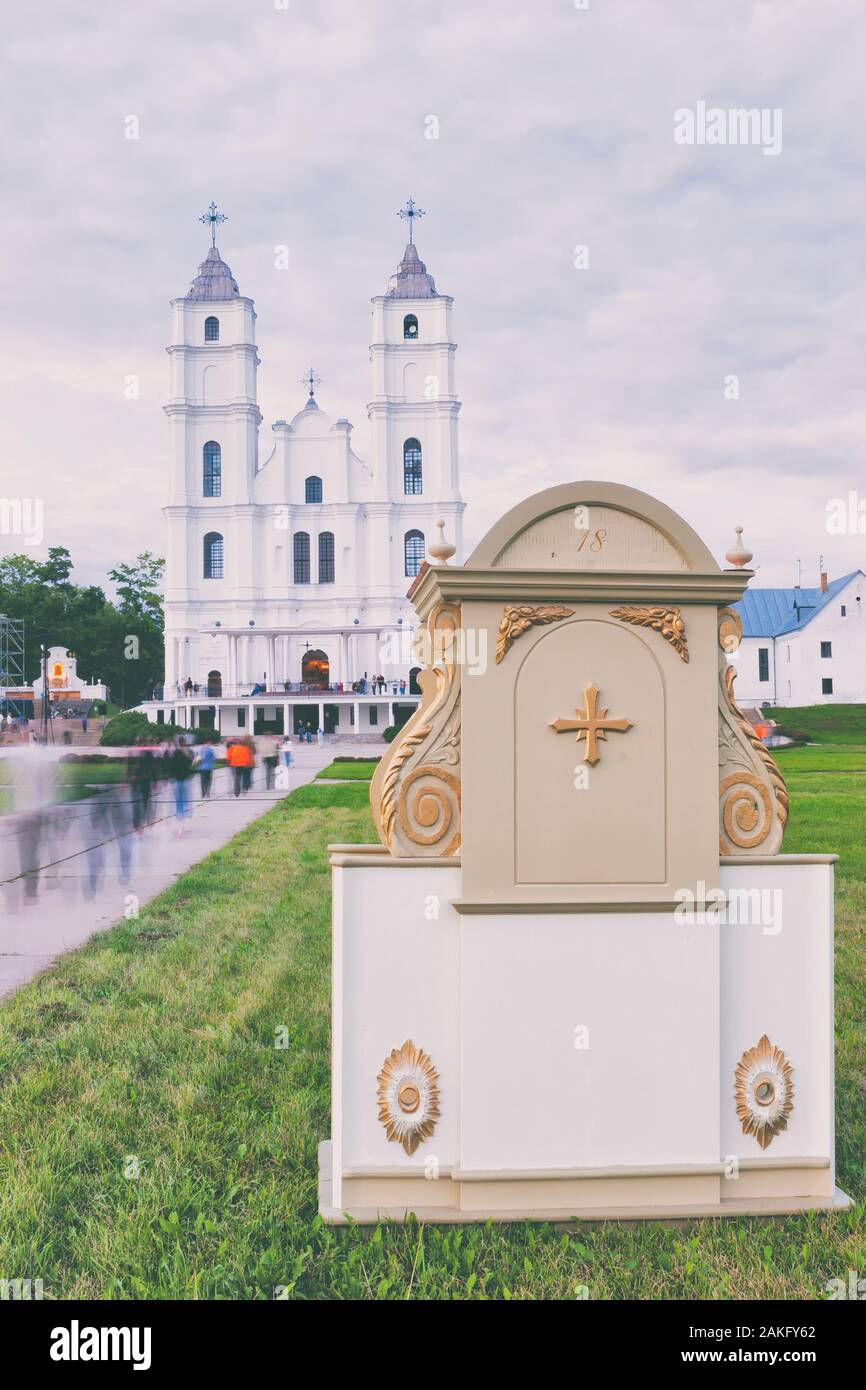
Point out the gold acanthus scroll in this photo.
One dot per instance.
(415, 795)
(753, 798)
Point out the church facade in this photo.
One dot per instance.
(288, 561)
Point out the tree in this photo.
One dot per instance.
(119, 643)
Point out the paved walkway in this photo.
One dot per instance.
(93, 869)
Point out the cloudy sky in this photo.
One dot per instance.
(307, 121)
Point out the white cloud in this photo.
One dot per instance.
(556, 128)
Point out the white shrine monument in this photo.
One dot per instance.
(577, 978)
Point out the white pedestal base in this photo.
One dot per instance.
(586, 1060)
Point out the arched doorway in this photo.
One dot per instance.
(316, 669)
(414, 687)
(214, 684)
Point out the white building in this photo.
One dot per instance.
(804, 646)
(288, 563)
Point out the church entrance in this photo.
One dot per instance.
(214, 684)
(414, 687)
(316, 669)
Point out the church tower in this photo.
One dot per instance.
(413, 421)
(214, 420)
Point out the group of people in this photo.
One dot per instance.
(378, 685)
(177, 761)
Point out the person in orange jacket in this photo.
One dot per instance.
(239, 760)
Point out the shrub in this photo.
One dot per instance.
(130, 727)
(390, 733)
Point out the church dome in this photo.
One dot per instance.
(411, 280)
(214, 279)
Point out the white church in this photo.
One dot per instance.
(288, 561)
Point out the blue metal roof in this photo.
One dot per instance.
(772, 612)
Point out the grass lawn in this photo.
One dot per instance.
(153, 1052)
(822, 723)
(359, 770)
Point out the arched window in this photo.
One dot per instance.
(313, 490)
(213, 469)
(302, 557)
(211, 329)
(412, 483)
(326, 557)
(413, 551)
(410, 326)
(213, 555)
(214, 684)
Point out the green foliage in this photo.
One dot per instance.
(81, 618)
(390, 733)
(130, 727)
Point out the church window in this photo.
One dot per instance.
(211, 329)
(213, 555)
(413, 551)
(410, 326)
(763, 663)
(302, 557)
(213, 469)
(326, 557)
(313, 490)
(412, 480)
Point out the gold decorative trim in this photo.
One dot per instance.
(408, 1096)
(519, 618)
(415, 794)
(764, 1091)
(668, 622)
(753, 798)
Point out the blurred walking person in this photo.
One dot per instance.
(205, 760)
(178, 766)
(269, 748)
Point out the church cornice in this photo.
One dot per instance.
(219, 349)
(189, 407)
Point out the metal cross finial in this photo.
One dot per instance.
(213, 217)
(410, 212)
(311, 381)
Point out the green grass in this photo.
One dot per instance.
(357, 770)
(822, 723)
(155, 1043)
(821, 757)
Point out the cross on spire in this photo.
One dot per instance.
(213, 217)
(311, 381)
(409, 213)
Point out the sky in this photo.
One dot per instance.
(705, 345)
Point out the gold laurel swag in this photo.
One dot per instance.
(518, 618)
(668, 622)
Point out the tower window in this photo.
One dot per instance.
(211, 329)
(213, 555)
(302, 557)
(313, 490)
(826, 649)
(413, 552)
(410, 326)
(412, 478)
(326, 557)
(213, 468)
(826, 686)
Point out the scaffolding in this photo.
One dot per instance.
(12, 664)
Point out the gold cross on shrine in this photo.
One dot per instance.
(591, 724)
